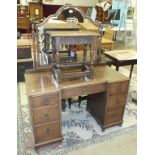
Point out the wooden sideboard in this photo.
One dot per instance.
(106, 100)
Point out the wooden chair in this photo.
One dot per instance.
(107, 40)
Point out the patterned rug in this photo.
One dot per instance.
(79, 128)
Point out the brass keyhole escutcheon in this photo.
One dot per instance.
(47, 130)
(46, 116)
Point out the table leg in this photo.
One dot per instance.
(34, 48)
(70, 102)
(84, 53)
(91, 61)
(131, 69)
(80, 99)
(117, 67)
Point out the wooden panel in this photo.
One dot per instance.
(119, 87)
(114, 115)
(83, 90)
(44, 100)
(22, 11)
(23, 23)
(117, 100)
(44, 115)
(36, 10)
(47, 132)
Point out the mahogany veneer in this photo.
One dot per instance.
(106, 99)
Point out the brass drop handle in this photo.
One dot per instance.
(46, 101)
(47, 130)
(46, 116)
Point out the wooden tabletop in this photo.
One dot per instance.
(122, 55)
(72, 33)
(42, 82)
(89, 26)
(62, 26)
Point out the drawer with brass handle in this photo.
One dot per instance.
(44, 115)
(83, 90)
(44, 100)
(47, 132)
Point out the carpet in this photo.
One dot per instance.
(79, 128)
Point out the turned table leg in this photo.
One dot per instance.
(84, 53)
(131, 69)
(91, 61)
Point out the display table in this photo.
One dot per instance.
(68, 37)
(123, 58)
(106, 100)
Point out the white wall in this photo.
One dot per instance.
(62, 2)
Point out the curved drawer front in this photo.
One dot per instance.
(44, 100)
(47, 132)
(83, 90)
(44, 115)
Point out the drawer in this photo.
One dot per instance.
(114, 115)
(44, 115)
(44, 100)
(117, 100)
(119, 87)
(83, 90)
(47, 132)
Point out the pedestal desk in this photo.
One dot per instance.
(106, 99)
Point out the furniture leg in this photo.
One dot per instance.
(59, 76)
(131, 69)
(70, 102)
(84, 53)
(91, 61)
(33, 45)
(117, 67)
(63, 104)
(80, 99)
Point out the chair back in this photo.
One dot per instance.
(108, 34)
